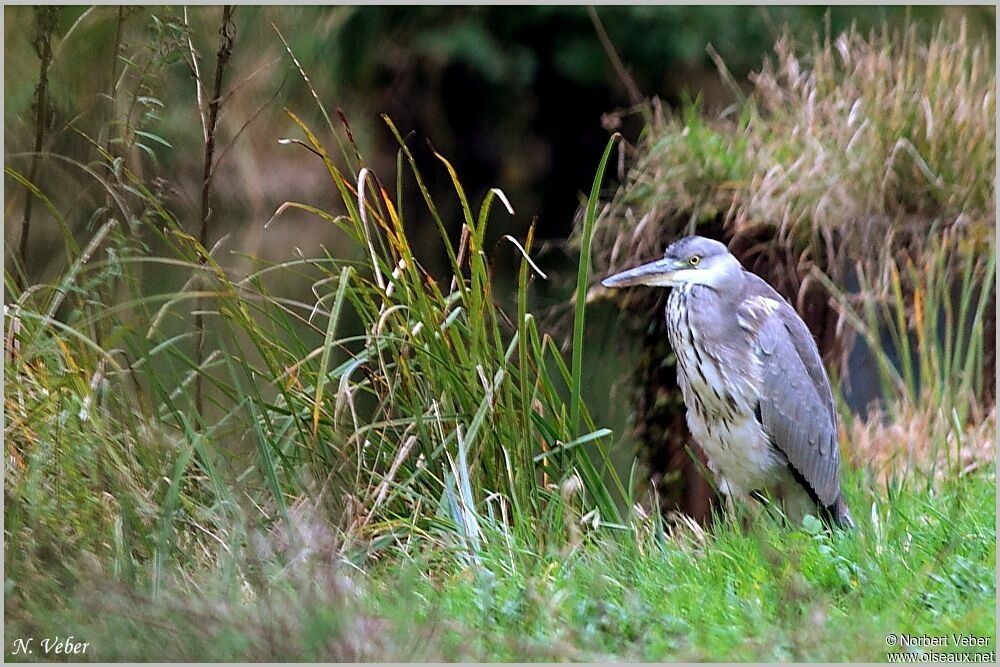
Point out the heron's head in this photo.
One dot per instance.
(692, 259)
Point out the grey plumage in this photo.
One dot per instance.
(758, 397)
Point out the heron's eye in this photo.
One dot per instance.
(693, 260)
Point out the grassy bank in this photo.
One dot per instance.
(920, 564)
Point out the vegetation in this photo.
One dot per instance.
(203, 466)
(858, 136)
(921, 564)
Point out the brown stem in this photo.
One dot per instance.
(112, 86)
(47, 19)
(227, 33)
(634, 95)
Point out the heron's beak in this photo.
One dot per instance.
(658, 274)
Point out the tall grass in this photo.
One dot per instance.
(844, 145)
(409, 414)
(923, 321)
(446, 415)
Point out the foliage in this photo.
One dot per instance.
(414, 416)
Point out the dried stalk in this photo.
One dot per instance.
(227, 33)
(635, 96)
(47, 19)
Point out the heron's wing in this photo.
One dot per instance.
(796, 404)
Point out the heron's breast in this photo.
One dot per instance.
(718, 378)
(739, 451)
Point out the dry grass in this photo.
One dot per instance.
(850, 148)
(876, 128)
(921, 441)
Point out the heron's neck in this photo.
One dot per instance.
(694, 292)
(705, 300)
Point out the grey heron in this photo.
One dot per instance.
(758, 398)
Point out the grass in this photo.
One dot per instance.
(848, 147)
(403, 467)
(919, 564)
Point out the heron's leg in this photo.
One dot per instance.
(795, 502)
(766, 505)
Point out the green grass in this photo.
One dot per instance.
(919, 564)
(768, 594)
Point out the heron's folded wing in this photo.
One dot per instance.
(796, 405)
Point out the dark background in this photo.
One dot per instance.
(520, 98)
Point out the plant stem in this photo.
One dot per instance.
(113, 85)
(634, 95)
(47, 18)
(227, 33)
